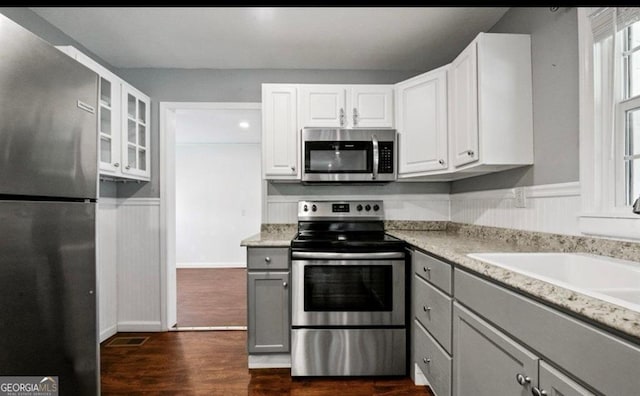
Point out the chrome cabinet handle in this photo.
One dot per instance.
(538, 392)
(426, 309)
(285, 284)
(376, 157)
(127, 167)
(522, 380)
(267, 259)
(355, 117)
(342, 117)
(117, 164)
(425, 360)
(470, 153)
(441, 162)
(427, 269)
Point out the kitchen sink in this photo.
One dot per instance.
(614, 280)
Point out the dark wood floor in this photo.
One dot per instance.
(215, 363)
(212, 297)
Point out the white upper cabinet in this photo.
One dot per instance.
(135, 124)
(490, 104)
(421, 121)
(279, 131)
(346, 106)
(123, 125)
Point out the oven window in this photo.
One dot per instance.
(348, 288)
(338, 157)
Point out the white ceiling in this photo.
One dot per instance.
(218, 126)
(357, 38)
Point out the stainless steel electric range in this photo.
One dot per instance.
(348, 292)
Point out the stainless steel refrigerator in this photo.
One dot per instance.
(48, 195)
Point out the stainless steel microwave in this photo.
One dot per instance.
(348, 155)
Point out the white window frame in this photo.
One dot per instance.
(601, 168)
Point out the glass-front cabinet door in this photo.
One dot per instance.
(108, 118)
(135, 151)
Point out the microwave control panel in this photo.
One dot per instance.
(386, 157)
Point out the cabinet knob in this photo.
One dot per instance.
(285, 284)
(425, 360)
(441, 162)
(426, 309)
(522, 380)
(267, 259)
(293, 168)
(470, 153)
(427, 270)
(117, 164)
(538, 392)
(127, 167)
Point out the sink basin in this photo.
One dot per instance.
(613, 280)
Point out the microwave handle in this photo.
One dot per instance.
(376, 156)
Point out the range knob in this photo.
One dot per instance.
(376, 207)
(306, 208)
(313, 208)
(367, 208)
(359, 208)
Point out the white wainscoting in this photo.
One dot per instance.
(106, 268)
(284, 208)
(550, 208)
(128, 265)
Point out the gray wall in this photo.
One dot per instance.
(46, 31)
(554, 47)
(212, 85)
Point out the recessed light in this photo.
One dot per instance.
(244, 125)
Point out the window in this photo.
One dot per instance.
(609, 75)
(629, 112)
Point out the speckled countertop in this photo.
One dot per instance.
(453, 241)
(457, 241)
(272, 235)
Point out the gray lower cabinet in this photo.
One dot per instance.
(488, 363)
(268, 321)
(554, 383)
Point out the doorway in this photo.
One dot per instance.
(214, 192)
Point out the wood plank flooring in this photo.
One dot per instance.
(215, 363)
(212, 297)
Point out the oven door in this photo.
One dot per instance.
(348, 289)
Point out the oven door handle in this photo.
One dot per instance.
(347, 256)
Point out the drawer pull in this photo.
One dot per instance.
(522, 380)
(538, 392)
(267, 259)
(426, 309)
(426, 361)
(427, 269)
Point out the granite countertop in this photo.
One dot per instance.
(453, 245)
(272, 235)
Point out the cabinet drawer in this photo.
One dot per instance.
(268, 258)
(433, 270)
(433, 309)
(432, 360)
(605, 362)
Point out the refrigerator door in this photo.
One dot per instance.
(47, 293)
(48, 135)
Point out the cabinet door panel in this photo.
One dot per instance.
(557, 384)
(268, 322)
(487, 361)
(323, 106)
(463, 106)
(421, 120)
(371, 106)
(135, 145)
(279, 131)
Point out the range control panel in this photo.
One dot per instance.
(365, 210)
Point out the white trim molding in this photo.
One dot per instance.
(140, 326)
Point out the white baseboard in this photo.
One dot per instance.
(280, 360)
(419, 378)
(140, 327)
(212, 265)
(108, 332)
